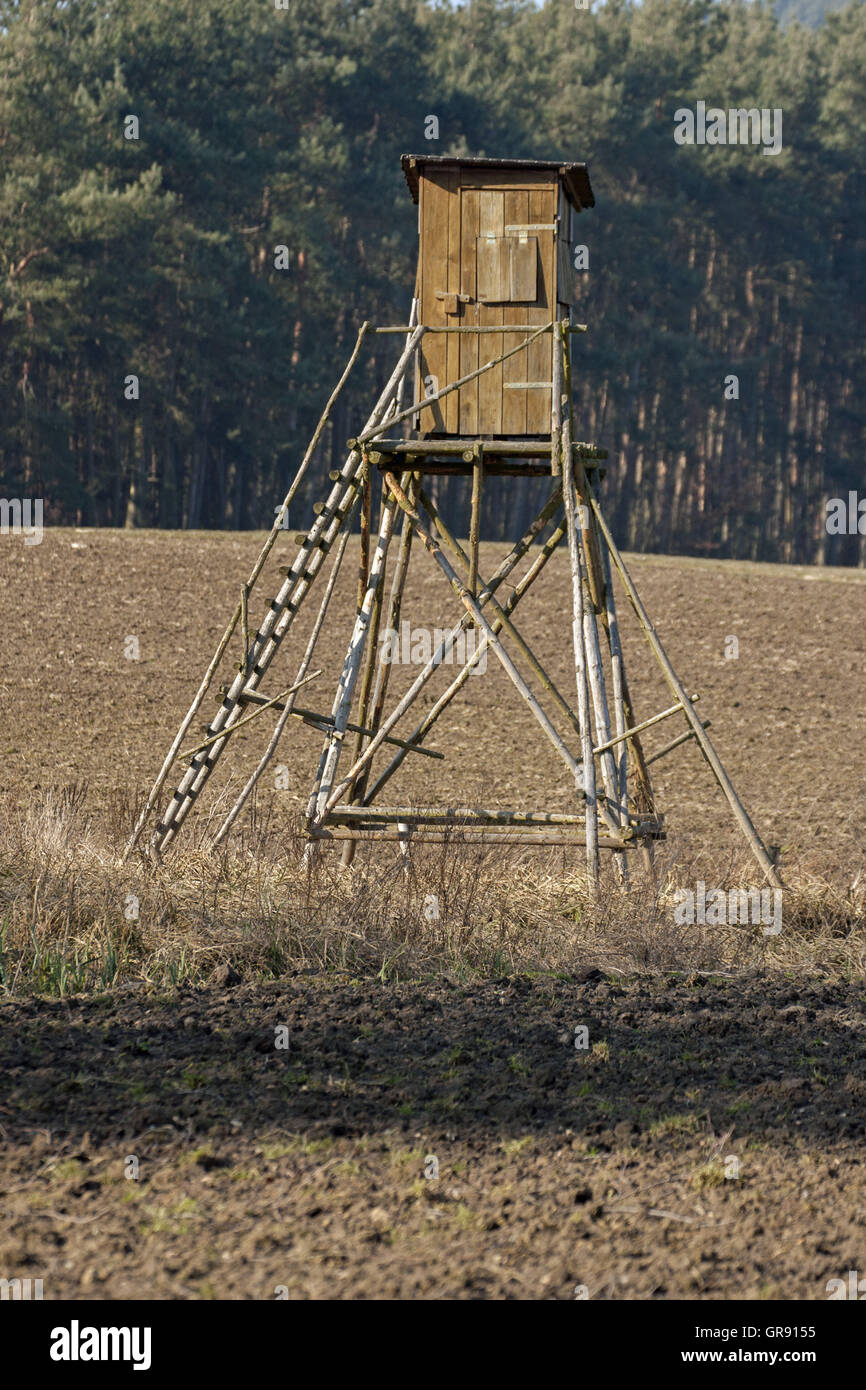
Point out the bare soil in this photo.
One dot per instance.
(787, 712)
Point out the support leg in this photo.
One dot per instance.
(383, 671)
(740, 814)
(351, 666)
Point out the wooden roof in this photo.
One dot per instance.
(575, 177)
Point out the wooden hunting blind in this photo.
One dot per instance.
(484, 375)
(495, 248)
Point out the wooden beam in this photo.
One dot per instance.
(325, 721)
(639, 728)
(484, 837)
(464, 328)
(676, 743)
(475, 613)
(475, 517)
(504, 448)
(501, 573)
(452, 815)
(373, 430)
(502, 618)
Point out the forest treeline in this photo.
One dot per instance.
(260, 128)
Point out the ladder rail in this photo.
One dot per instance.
(281, 612)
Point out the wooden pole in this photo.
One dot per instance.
(465, 816)
(617, 667)
(505, 328)
(395, 606)
(241, 723)
(366, 508)
(646, 724)
(591, 645)
(245, 630)
(371, 654)
(524, 839)
(502, 618)
(644, 798)
(383, 668)
(496, 448)
(372, 430)
(556, 410)
(677, 743)
(739, 811)
(508, 564)
(475, 517)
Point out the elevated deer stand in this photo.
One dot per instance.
(486, 358)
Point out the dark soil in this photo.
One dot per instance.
(706, 1144)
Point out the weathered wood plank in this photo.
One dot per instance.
(469, 343)
(539, 357)
(491, 223)
(515, 369)
(435, 190)
(453, 286)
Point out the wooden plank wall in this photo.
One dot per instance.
(437, 193)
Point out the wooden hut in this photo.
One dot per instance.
(495, 248)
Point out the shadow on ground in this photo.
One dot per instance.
(334, 1056)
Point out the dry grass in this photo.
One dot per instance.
(74, 918)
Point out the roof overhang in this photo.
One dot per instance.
(575, 177)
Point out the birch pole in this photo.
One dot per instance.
(352, 663)
(591, 645)
(577, 635)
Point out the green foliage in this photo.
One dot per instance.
(262, 128)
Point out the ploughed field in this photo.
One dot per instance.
(787, 711)
(366, 1132)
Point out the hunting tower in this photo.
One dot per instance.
(484, 375)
